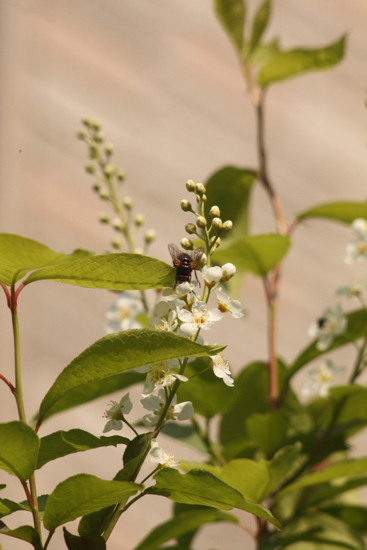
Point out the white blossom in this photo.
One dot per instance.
(354, 289)
(116, 413)
(122, 314)
(321, 378)
(198, 318)
(356, 251)
(211, 275)
(180, 291)
(165, 315)
(220, 368)
(160, 374)
(156, 403)
(234, 307)
(228, 270)
(328, 327)
(159, 456)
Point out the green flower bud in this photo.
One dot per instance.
(109, 170)
(109, 148)
(214, 212)
(87, 122)
(139, 251)
(96, 187)
(90, 169)
(81, 135)
(93, 150)
(217, 224)
(190, 228)
(200, 189)
(227, 226)
(150, 236)
(121, 175)
(116, 243)
(99, 137)
(139, 220)
(217, 241)
(186, 244)
(117, 224)
(103, 193)
(204, 198)
(128, 203)
(186, 205)
(103, 217)
(96, 125)
(190, 186)
(201, 222)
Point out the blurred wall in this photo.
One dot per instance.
(163, 79)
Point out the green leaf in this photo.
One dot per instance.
(83, 494)
(93, 390)
(7, 507)
(353, 414)
(181, 524)
(119, 352)
(63, 443)
(344, 212)
(298, 61)
(25, 532)
(259, 24)
(264, 53)
(347, 468)
(88, 542)
(230, 189)
(356, 328)
(112, 271)
(201, 487)
(328, 491)
(352, 515)
(231, 13)
(137, 447)
(18, 255)
(185, 434)
(257, 254)
(282, 466)
(210, 395)
(15, 437)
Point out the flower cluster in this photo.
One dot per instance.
(321, 378)
(356, 250)
(328, 327)
(122, 314)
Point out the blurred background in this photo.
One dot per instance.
(164, 81)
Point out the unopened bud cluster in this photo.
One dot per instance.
(206, 224)
(110, 178)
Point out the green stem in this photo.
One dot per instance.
(357, 366)
(50, 535)
(218, 459)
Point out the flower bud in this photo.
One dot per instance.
(90, 169)
(190, 228)
(128, 203)
(99, 137)
(201, 222)
(87, 122)
(212, 275)
(121, 175)
(217, 241)
(109, 148)
(190, 186)
(109, 170)
(228, 270)
(103, 217)
(200, 189)
(116, 242)
(214, 212)
(117, 224)
(217, 224)
(186, 244)
(93, 150)
(103, 193)
(139, 251)
(186, 205)
(81, 135)
(227, 226)
(96, 125)
(204, 198)
(203, 261)
(96, 187)
(139, 220)
(150, 236)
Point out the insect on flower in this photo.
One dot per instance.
(185, 262)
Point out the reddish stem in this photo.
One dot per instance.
(7, 294)
(8, 383)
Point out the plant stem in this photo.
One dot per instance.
(357, 370)
(218, 459)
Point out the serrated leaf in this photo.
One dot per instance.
(201, 487)
(83, 494)
(260, 23)
(7, 507)
(111, 271)
(25, 532)
(181, 524)
(231, 14)
(119, 352)
(356, 328)
(137, 447)
(62, 443)
(257, 254)
(18, 255)
(230, 189)
(15, 437)
(88, 542)
(344, 212)
(298, 61)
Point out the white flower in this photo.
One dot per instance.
(354, 289)
(155, 403)
(180, 291)
(116, 413)
(321, 378)
(165, 315)
(122, 313)
(211, 275)
(160, 374)
(159, 456)
(356, 251)
(228, 271)
(199, 317)
(220, 367)
(234, 307)
(326, 328)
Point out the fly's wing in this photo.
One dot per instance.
(196, 256)
(175, 253)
